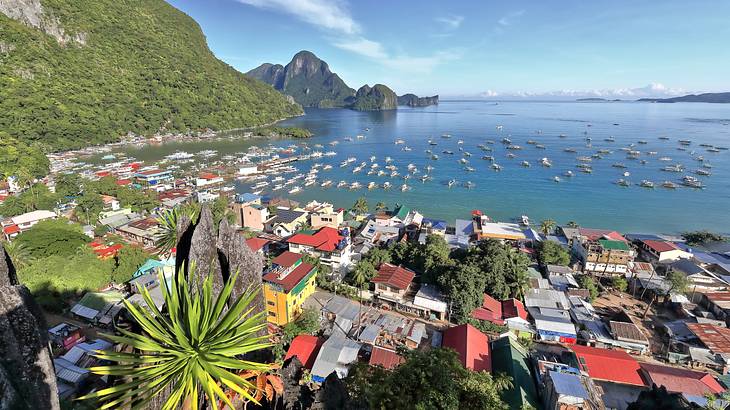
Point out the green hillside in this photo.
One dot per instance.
(119, 66)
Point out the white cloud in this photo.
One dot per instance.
(509, 18)
(327, 14)
(362, 46)
(653, 90)
(422, 64)
(452, 22)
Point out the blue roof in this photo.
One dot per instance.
(152, 265)
(435, 223)
(568, 384)
(247, 197)
(464, 227)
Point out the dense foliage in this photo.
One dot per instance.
(141, 66)
(126, 263)
(19, 159)
(552, 253)
(434, 379)
(702, 237)
(306, 324)
(284, 132)
(53, 238)
(587, 282)
(35, 198)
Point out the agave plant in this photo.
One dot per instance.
(169, 221)
(190, 351)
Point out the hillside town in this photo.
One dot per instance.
(576, 317)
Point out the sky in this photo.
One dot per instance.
(485, 49)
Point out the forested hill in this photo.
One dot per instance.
(80, 72)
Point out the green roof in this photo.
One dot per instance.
(614, 245)
(97, 300)
(509, 357)
(401, 212)
(533, 273)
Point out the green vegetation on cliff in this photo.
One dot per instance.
(97, 69)
(379, 97)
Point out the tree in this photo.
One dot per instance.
(127, 261)
(619, 283)
(381, 206)
(364, 271)
(678, 283)
(192, 349)
(572, 224)
(68, 185)
(547, 226)
(90, 204)
(702, 237)
(552, 253)
(360, 206)
(433, 379)
(377, 256)
(587, 282)
(12, 206)
(18, 253)
(53, 237)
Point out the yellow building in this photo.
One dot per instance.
(286, 286)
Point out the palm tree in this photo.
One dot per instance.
(380, 206)
(572, 224)
(190, 351)
(169, 221)
(361, 275)
(360, 206)
(547, 226)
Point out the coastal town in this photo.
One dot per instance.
(575, 317)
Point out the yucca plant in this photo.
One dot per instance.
(191, 350)
(169, 221)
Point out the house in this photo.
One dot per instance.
(701, 280)
(288, 283)
(331, 246)
(248, 169)
(152, 177)
(72, 368)
(378, 235)
(401, 217)
(499, 312)
(104, 252)
(285, 221)
(691, 384)
(145, 232)
(718, 303)
(110, 203)
(433, 227)
(207, 180)
(16, 225)
(173, 198)
(114, 219)
(510, 358)
(385, 358)
(152, 266)
(613, 366)
(431, 302)
(65, 335)
(500, 230)
(602, 252)
(663, 251)
(305, 348)
(324, 214)
(258, 245)
(471, 345)
(392, 282)
(253, 216)
(335, 355)
(99, 307)
(567, 391)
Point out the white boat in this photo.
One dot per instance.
(569, 174)
(669, 185)
(341, 184)
(451, 182)
(469, 169)
(556, 178)
(326, 184)
(355, 185)
(277, 187)
(546, 162)
(468, 185)
(646, 184)
(525, 220)
(327, 167)
(388, 160)
(399, 141)
(386, 185)
(372, 158)
(330, 154)
(310, 182)
(525, 164)
(180, 155)
(703, 172)
(295, 190)
(623, 182)
(404, 188)
(407, 149)
(496, 167)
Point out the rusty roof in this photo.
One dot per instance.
(716, 338)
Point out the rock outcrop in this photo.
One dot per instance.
(412, 100)
(377, 98)
(32, 13)
(27, 376)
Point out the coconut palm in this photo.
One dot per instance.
(18, 253)
(191, 351)
(547, 226)
(360, 206)
(380, 206)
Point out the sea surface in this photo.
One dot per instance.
(592, 200)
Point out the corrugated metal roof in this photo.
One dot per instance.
(714, 337)
(568, 384)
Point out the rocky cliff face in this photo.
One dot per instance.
(377, 98)
(307, 79)
(32, 13)
(27, 376)
(412, 100)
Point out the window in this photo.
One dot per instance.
(271, 303)
(272, 314)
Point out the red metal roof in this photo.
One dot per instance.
(471, 345)
(256, 244)
(286, 259)
(714, 337)
(394, 276)
(513, 308)
(385, 358)
(680, 380)
(123, 182)
(596, 234)
(718, 296)
(104, 252)
(306, 348)
(208, 175)
(325, 239)
(292, 279)
(660, 246)
(491, 310)
(9, 230)
(609, 365)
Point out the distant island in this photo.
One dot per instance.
(308, 81)
(717, 98)
(596, 99)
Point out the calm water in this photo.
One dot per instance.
(590, 199)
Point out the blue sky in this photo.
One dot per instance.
(485, 48)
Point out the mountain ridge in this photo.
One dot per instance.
(716, 98)
(309, 80)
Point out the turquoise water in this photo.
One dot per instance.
(590, 199)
